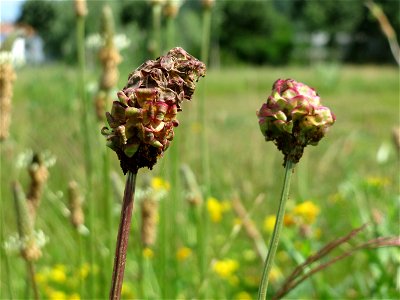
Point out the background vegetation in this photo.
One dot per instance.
(205, 251)
(272, 32)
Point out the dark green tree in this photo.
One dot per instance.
(254, 31)
(38, 14)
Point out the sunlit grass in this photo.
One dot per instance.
(343, 179)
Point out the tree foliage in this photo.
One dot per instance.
(254, 31)
(248, 31)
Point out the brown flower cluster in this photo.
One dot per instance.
(143, 119)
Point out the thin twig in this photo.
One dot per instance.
(123, 237)
(371, 244)
(250, 228)
(323, 252)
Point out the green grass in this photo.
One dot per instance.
(334, 175)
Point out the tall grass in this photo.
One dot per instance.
(357, 186)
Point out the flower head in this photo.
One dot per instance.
(307, 211)
(225, 268)
(183, 253)
(143, 119)
(293, 118)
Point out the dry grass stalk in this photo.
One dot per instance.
(80, 8)
(297, 276)
(39, 174)
(149, 211)
(193, 194)
(7, 78)
(386, 28)
(29, 249)
(75, 201)
(109, 58)
(396, 138)
(251, 230)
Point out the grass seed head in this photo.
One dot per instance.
(39, 174)
(7, 78)
(110, 59)
(80, 8)
(142, 121)
(75, 201)
(293, 118)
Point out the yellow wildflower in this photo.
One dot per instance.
(74, 296)
(243, 296)
(183, 253)
(127, 291)
(148, 253)
(307, 211)
(84, 270)
(157, 183)
(378, 182)
(215, 209)
(225, 268)
(289, 219)
(58, 274)
(41, 277)
(56, 295)
(275, 274)
(269, 223)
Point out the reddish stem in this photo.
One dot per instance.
(123, 237)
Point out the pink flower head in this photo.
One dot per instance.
(293, 118)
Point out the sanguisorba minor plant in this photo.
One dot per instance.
(141, 128)
(293, 118)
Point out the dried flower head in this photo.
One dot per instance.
(7, 78)
(207, 4)
(143, 119)
(110, 58)
(39, 174)
(75, 205)
(293, 118)
(80, 8)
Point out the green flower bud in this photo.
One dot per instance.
(293, 118)
(142, 120)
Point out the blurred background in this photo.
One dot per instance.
(204, 215)
(243, 32)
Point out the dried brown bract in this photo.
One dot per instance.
(142, 121)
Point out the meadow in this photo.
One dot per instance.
(206, 250)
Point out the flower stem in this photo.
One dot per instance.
(262, 292)
(123, 237)
(156, 34)
(32, 278)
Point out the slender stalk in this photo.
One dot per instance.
(205, 47)
(123, 237)
(202, 228)
(170, 32)
(262, 292)
(156, 39)
(80, 41)
(6, 269)
(32, 278)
